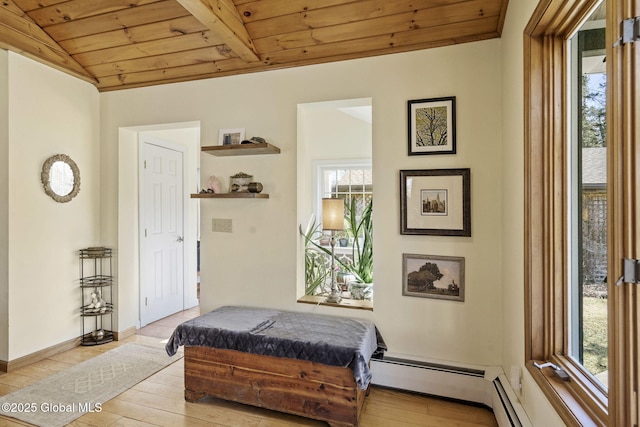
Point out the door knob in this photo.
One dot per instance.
(180, 239)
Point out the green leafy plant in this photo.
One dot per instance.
(316, 271)
(362, 251)
(362, 231)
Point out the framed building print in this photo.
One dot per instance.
(435, 202)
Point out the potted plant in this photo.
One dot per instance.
(361, 267)
(316, 270)
(342, 238)
(362, 231)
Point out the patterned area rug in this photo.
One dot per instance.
(69, 394)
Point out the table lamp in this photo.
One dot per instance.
(332, 220)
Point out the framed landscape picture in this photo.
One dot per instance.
(435, 202)
(433, 276)
(432, 126)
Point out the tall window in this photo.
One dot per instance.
(588, 343)
(582, 209)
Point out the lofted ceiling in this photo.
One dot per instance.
(119, 44)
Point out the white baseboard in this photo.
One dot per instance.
(487, 386)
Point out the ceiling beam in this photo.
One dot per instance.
(18, 33)
(223, 19)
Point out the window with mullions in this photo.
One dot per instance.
(348, 182)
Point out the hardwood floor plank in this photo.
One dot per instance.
(159, 399)
(6, 389)
(16, 380)
(102, 419)
(153, 416)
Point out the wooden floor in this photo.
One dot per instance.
(159, 400)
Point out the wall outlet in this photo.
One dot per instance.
(515, 378)
(221, 225)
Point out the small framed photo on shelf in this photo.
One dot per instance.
(230, 136)
(435, 202)
(432, 126)
(433, 276)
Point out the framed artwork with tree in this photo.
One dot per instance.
(432, 126)
(433, 276)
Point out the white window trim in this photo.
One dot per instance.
(319, 166)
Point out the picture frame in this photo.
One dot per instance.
(432, 126)
(230, 136)
(435, 202)
(419, 272)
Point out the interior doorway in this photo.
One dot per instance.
(162, 209)
(130, 259)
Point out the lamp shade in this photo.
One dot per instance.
(332, 214)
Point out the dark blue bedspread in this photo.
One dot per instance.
(337, 341)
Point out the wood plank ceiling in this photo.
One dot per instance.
(119, 44)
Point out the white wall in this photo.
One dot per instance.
(538, 408)
(255, 265)
(49, 113)
(4, 206)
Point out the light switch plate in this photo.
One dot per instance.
(221, 225)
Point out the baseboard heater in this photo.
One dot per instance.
(487, 387)
(506, 407)
(452, 382)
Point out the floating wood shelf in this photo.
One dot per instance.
(230, 196)
(241, 149)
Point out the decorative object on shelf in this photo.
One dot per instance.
(234, 192)
(333, 220)
(255, 187)
(98, 335)
(60, 178)
(239, 183)
(98, 304)
(96, 282)
(214, 184)
(433, 276)
(435, 202)
(432, 126)
(254, 140)
(230, 136)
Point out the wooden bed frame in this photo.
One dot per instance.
(300, 387)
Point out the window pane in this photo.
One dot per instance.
(588, 312)
(351, 183)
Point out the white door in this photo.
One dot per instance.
(161, 240)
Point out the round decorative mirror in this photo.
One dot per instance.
(60, 178)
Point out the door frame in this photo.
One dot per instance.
(125, 187)
(143, 137)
